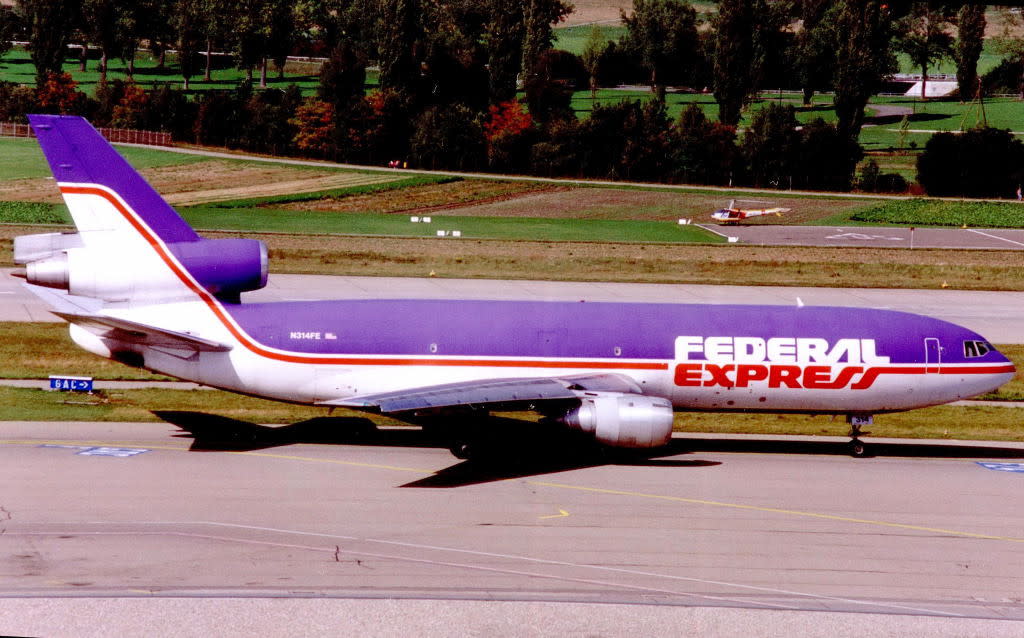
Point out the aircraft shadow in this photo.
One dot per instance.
(875, 448)
(520, 461)
(213, 433)
(885, 120)
(510, 449)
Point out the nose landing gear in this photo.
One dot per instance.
(858, 449)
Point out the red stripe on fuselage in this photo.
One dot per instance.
(256, 348)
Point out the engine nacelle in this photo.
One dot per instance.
(623, 420)
(225, 267)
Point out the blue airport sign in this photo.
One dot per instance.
(1003, 467)
(70, 384)
(99, 450)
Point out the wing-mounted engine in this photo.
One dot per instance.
(224, 267)
(622, 420)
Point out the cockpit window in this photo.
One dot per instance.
(974, 349)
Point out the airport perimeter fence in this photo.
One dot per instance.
(125, 135)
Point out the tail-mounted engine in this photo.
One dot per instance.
(224, 267)
(622, 420)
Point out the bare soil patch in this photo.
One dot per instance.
(213, 180)
(612, 203)
(604, 11)
(447, 197)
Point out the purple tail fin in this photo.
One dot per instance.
(79, 155)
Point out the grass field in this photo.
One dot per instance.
(515, 228)
(944, 422)
(628, 262)
(923, 212)
(574, 38)
(20, 158)
(17, 67)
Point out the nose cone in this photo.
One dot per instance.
(1010, 366)
(998, 370)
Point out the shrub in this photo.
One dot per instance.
(448, 137)
(981, 162)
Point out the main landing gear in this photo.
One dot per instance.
(857, 447)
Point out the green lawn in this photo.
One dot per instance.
(541, 229)
(256, 219)
(922, 212)
(21, 158)
(574, 39)
(16, 66)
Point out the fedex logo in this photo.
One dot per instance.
(778, 362)
(778, 350)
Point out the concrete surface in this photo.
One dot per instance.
(762, 535)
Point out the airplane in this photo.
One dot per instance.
(732, 214)
(138, 285)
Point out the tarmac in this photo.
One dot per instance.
(331, 527)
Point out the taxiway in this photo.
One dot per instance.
(339, 509)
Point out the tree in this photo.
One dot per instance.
(107, 24)
(538, 35)
(771, 146)
(815, 50)
(448, 137)
(924, 38)
(59, 94)
(503, 41)
(314, 127)
(970, 27)
(399, 35)
(186, 18)
(50, 24)
(9, 26)
(592, 51)
(132, 109)
(1010, 45)
(703, 152)
(509, 132)
(251, 36)
(827, 160)
(646, 148)
(664, 32)
(159, 22)
(549, 93)
(280, 33)
(980, 162)
(746, 37)
(733, 58)
(214, 29)
(343, 75)
(863, 31)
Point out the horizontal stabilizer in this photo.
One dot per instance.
(64, 302)
(142, 334)
(488, 393)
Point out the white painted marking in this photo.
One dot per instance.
(1009, 241)
(531, 559)
(862, 237)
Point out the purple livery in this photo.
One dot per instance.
(139, 285)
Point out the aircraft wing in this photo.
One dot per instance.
(140, 333)
(489, 393)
